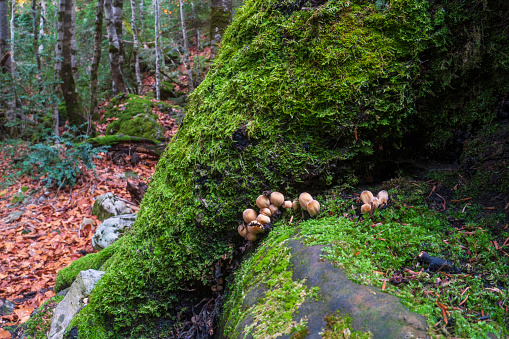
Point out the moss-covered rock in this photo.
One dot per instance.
(302, 94)
(142, 125)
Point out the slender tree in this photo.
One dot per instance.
(186, 48)
(4, 37)
(114, 48)
(157, 28)
(220, 18)
(36, 18)
(44, 13)
(97, 55)
(66, 25)
(135, 47)
(13, 63)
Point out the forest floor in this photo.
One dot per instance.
(41, 228)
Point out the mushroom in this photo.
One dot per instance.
(251, 237)
(242, 230)
(273, 209)
(313, 208)
(366, 197)
(254, 227)
(366, 208)
(265, 211)
(277, 199)
(216, 288)
(287, 204)
(304, 199)
(383, 196)
(263, 219)
(249, 215)
(262, 201)
(375, 203)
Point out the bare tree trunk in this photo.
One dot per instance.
(13, 63)
(97, 56)
(74, 45)
(35, 45)
(114, 49)
(135, 47)
(75, 111)
(186, 49)
(142, 16)
(220, 18)
(4, 37)
(157, 15)
(44, 13)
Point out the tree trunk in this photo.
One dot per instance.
(186, 48)
(97, 56)
(157, 15)
(44, 12)
(4, 36)
(75, 112)
(114, 48)
(220, 18)
(135, 47)
(13, 63)
(35, 45)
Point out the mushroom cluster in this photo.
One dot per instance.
(371, 203)
(269, 204)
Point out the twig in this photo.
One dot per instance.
(442, 199)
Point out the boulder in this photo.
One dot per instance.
(73, 302)
(111, 229)
(109, 205)
(142, 125)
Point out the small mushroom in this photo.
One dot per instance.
(254, 227)
(266, 211)
(277, 199)
(383, 196)
(242, 230)
(313, 208)
(251, 237)
(366, 197)
(273, 209)
(287, 204)
(262, 201)
(304, 199)
(216, 288)
(249, 215)
(366, 208)
(263, 219)
(375, 203)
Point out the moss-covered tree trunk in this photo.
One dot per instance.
(302, 96)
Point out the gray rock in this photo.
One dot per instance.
(6, 306)
(111, 229)
(73, 302)
(109, 205)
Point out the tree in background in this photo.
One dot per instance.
(112, 14)
(220, 18)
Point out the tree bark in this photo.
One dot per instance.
(114, 48)
(13, 62)
(44, 12)
(35, 45)
(135, 46)
(220, 18)
(97, 56)
(4, 35)
(75, 111)
(186, 48)
(157, 15)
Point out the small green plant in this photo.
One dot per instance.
(59, 160)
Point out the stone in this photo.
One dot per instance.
(6, 306)
(111, 229)
(109, 205)
(72, 303)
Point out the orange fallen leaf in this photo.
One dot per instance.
(4, 334)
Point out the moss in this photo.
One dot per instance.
(143, 125)
(40, 322)
(109, 140)
(294, 101)
(66, 276)
(338, 326)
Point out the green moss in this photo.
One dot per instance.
(295, 100)
(339, 326)
(39, 323)
(96, 261)
(109, 140)
(143, 125)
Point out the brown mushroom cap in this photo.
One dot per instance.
(272, 209)
(251, 237)
(313, 207)
(365, 208)
(263, 219)
(254, 227)
(249, 215)
(266, 211)
(287, 204)
(262, 201)
(277, 198)
(366, 197)
(375, 203)
(383, 196)
(304, 199)
(242, 230)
